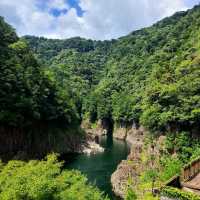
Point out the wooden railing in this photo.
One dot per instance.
(184, 179)
(190, 170)
(173, 182)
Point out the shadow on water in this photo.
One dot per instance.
(109, 141)
(99, 167)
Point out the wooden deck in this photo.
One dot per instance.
(192, 185)
(190, 177)
(189, 180)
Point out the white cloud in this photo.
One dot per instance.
(58, 4)
(116, 17)
(102, 19)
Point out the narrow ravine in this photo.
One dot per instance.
(99, 167)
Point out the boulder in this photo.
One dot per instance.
(92, 148)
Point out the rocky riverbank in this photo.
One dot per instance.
(130, 167)
(97, 130)
(91, 147)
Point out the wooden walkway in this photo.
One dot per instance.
(192, 185)
(189, 180)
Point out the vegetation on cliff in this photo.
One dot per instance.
(176, 193)
(161, 160)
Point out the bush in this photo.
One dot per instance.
(178, 194)
(44, 180)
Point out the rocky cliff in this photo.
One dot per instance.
(20, 143)
(132, 166)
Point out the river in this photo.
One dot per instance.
(99, 167)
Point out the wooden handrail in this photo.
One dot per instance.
(190, 170)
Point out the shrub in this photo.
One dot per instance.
(178, 194)
(44, 180)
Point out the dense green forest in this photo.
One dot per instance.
(150, 76)
(31, 102)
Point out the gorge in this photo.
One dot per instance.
(57, 95)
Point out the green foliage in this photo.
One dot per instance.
(27, 95)
(77, 66)
(46, 49)
(182, 144)
(170, 167)
(130, 195)
(44, 180)
(125, 107)
(150, 76)
(33, 105)
(150, 175)
(7, 35)
(178, 194)
(196, 152)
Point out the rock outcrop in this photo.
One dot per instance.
(119, 178)
(92, 147)
(130, 167)
(120, 133)
(135, 135)
(98, 130)
(38, 141)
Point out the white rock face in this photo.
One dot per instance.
(92, 148)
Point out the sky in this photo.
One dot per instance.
(94, 19)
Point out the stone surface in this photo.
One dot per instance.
(131, 167)
(91, 145)
(119, 178)
(135, 136)
(92, 148)
(93, 131)
(120, 133)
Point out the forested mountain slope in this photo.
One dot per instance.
(150, 76)
(76, 63)
(34, 111)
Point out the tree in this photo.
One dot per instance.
(42, 180)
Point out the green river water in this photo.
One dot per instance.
(99, 167)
